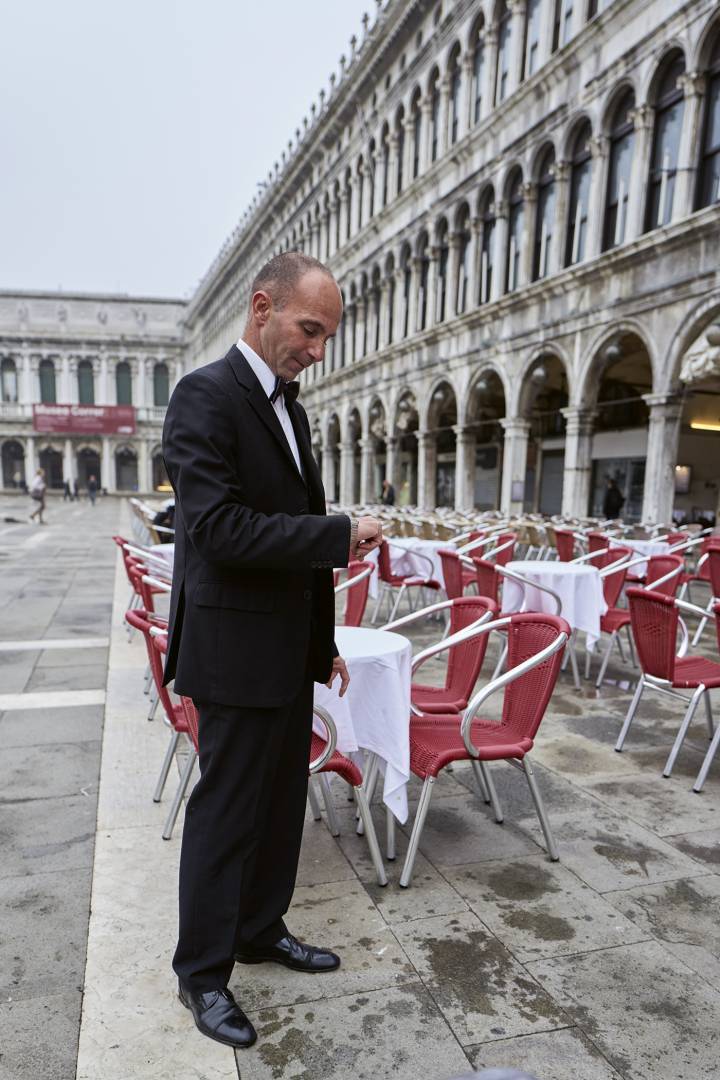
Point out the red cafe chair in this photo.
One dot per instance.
(535, 645)
(356, 585)
(655, 623)
(456, 574)
(565, 542)
(389, 581)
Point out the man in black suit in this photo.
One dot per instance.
(251, 628)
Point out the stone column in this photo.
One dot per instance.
(399, 313)
(334, 210)
(367, 462)
(693, 84)
(599, 146)
(413, 298)
(29, 379)
(427, 469)
(391, 459)
(451, 284)
(514, 464)
(144, 478)
(108, 466)
(347, 473)
(103, 395)
(30, 459)
(431, 304)
(384, 312)
(490, 38)
(662, 455)
(642, 118)
(66, 391)
(500, 252)
(517, 37)
(530, 198)
(444, 118)
(464, 468)
(328, 472)
(176, 373)
(315, 239)
(465, 120)
(475, 260)
(343, 215)
(392, 166)
(547, 25)
(425, 133)
(408, 153)
(367, 199)
(578, 460)
(556, 260)
(361, 309)
(68, 462)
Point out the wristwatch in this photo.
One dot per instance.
(354, 526)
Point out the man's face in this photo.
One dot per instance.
(294, 336)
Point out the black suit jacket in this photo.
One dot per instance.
(252, 603)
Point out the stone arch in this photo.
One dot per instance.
(698, 319)
(700, 53)
(613, 98)
(593, 364)
(572, 129)
(667, 54)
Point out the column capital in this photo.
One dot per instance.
(463, 433)
(579, 420)
(669, 404)
(514, 425)
(642, 117)
(599, 146)
(516, 7)
(501, 208)
(692, 83)
(424, 438)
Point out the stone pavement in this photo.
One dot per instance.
(604, 965)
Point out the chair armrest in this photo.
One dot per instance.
(480, 626)
(661, 580)
(503, 680)
(692, 609)
(158, 631)
(164, 586)
(589, 556)
(429, 610)
(497, 550)
(685, 643)
(349, 582)
(331, 729)
(503, 570)
(483, 542)
(623, 561)
(164, 529)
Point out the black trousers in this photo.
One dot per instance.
(242, 833)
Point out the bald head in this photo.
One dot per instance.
(280, 277)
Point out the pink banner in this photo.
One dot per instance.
(84, 419)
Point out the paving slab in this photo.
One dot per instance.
(395, 1034)
(645, 1010)
(666, 806)
(38, 1037)
(34, 727)
(68, 677)
(461, 829)
(45, 771)
(565, 1054)
(40, 836)
(539, 908)
(702, 845)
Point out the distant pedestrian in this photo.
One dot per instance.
(37, 494)
(613, 501)
(387, 496)
(67, 492)
(76, 491)
(92, 489)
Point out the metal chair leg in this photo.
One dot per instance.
(490, 785)
(680, 738)
(390, 851)
(480, 780)
(701, 625)
(418, 824)
(333, 823)
(501, 661)
(606, 658)
(401, 591)
(707, 762)
(550, 844)
(630, 714)
(179, 794)
(631, 645)
(709, 715)
(167, 762)
(372, 840)
(573, 660)
(313, 800)
(148, 680)
(154, 702)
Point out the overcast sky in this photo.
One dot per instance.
(133, 134)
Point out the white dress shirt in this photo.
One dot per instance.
(267, 381)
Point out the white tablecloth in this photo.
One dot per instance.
(374, 714)
(578, 585)
(642, 547)
(403, 558)
(167, 551)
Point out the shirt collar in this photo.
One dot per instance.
(262, 371)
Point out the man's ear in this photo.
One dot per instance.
(261, 306)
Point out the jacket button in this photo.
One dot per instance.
(307, 595)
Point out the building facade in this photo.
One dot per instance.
(520, 200)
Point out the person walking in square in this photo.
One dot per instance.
(251, 627)
(37, 494)
(92, 489)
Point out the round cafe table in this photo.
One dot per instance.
(578, 585)
(412, 555)
(642, 547)
(374, 714)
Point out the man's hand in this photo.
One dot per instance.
(369, 536)
(339, 668)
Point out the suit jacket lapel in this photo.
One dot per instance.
(259, 401)
(312, 473)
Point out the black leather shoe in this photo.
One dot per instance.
(292, 953)
(219, 1016)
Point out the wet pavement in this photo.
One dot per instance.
(603, 965)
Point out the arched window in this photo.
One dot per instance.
(562, 26)
(126, 469)
(400, 136)
(504, 31)
(424, 274)
(463, 260)
(516, 226)
(407, 288)
(622, 138)
(708, 190)
(669, 104)
(9, 380)
(434, 92)
(581, 169)
(385, 151)
(532, 37)
(455, 95)
(416, 114)
(161, 385)
(442, 269)
(478, 69)
(86, 383)
(487, 248)
(545, 220)
(123, 384)
(48, 394)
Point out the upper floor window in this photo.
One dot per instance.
(349, 204)
(400, 137)
(532, 37)
(9, 380)
(385, 151)
(360, 174)
(708, 191)
(455, 96)
(48, 394)
(562, 26)
(487, 248)
(434, 116)
(581, 169)
(622, 138)
(161, 385)
(669, 107)
(424, 275)
(86, 383)
(478, 76)
(516, 225)
(545, 220)
(407, 290)
(442, 271)
(123, 383)
(463, 261)
(416, 113)
(504, 29)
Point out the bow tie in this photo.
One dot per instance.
(289, 390)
